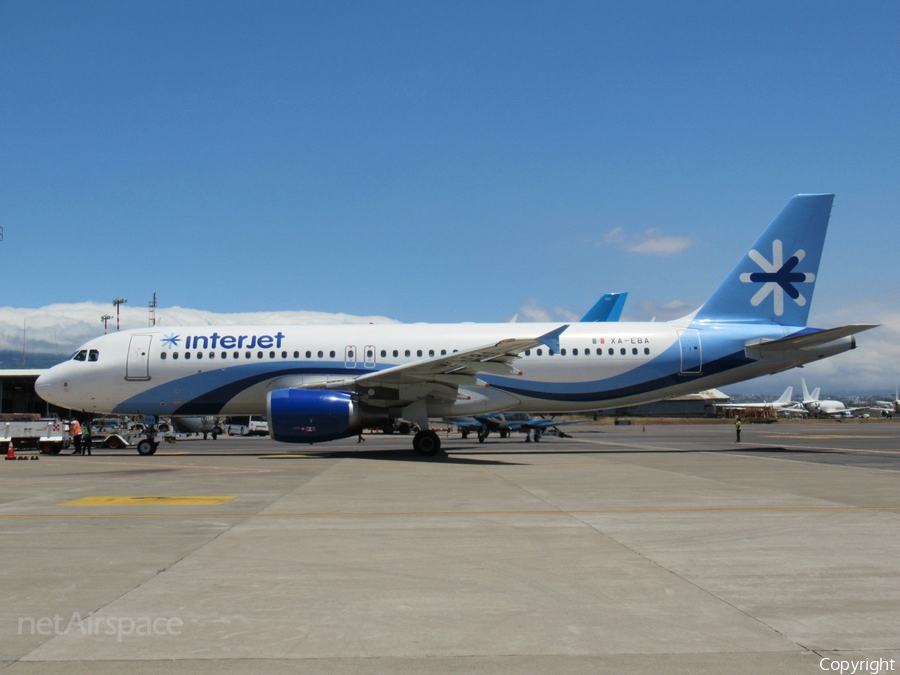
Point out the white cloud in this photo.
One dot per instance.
(531, 311)
(652, 242)
(63, 327)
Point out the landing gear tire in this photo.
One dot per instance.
(146, 447)
(404, 428)
(481, 438)
(215, 435)
(387, 429)
(426, 443)
(205, 434)
(465, 434)
(504, 434)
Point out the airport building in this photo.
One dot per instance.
(18, 396)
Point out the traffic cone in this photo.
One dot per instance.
(11, 453)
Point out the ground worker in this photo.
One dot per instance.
(737, 429)
(88, 441)
(75, 430)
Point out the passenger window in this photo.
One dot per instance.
(527, 352)
(212, 355)
(93, 355)
(383, 353)
(271, 355)
(162, 356)
(647, 351)
(259, 355)
(430, 352)
(574, 352)
(199, 355)
(540, 352)
(443, 352)
(611, 351)
(309, 355)
(247, 355)
(418, 352)
(587, 352)
(237, 355)
(599, 351)
(187, 355)
(296, 355)
(81, 356)
(321, 353)
(622, 351)
(175, 355)
(406, 353)
(369, 354)
(331, 353)
(350, 355)
(550, 352)
(395, 353)
(284, 355)
(634, 350)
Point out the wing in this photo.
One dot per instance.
(440, 376)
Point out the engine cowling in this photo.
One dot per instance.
(316, 416)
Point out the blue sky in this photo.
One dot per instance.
(441, 161)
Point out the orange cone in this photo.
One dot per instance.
(11, 453)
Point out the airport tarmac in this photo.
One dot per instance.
(666, 550)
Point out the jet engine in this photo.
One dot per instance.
(316, 416)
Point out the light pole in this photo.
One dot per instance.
(104, 319)
(117, 302)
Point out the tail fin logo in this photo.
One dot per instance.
(777, 277)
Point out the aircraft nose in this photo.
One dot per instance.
(44, 381)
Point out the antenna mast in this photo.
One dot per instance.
(117, 302)
(153, 311)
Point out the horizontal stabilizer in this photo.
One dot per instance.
(808, 339)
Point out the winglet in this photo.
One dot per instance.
(551, 339)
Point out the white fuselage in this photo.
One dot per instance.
(222, 370)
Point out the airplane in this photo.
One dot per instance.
(505, 424)
(828, 408)
(783, 402)
(607, 308)
(889, 408)
(319, 383)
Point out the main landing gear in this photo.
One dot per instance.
(426, 443)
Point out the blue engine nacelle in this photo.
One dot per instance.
(316, 416)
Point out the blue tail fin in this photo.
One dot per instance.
(608, 308)
(774, 281)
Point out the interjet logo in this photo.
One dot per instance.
(777, 278)
(171, 340)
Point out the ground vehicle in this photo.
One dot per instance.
(50, 435)
(247, 425)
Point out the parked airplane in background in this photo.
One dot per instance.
(889, 408)
(783, 402)
(607, 308)
(830, 408)
(320, 383)
(505, 424)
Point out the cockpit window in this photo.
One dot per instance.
(80, 356)
(93, 355)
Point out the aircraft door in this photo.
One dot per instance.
(350, 356)
(137, 365)
(691, 352)
(370, 356)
